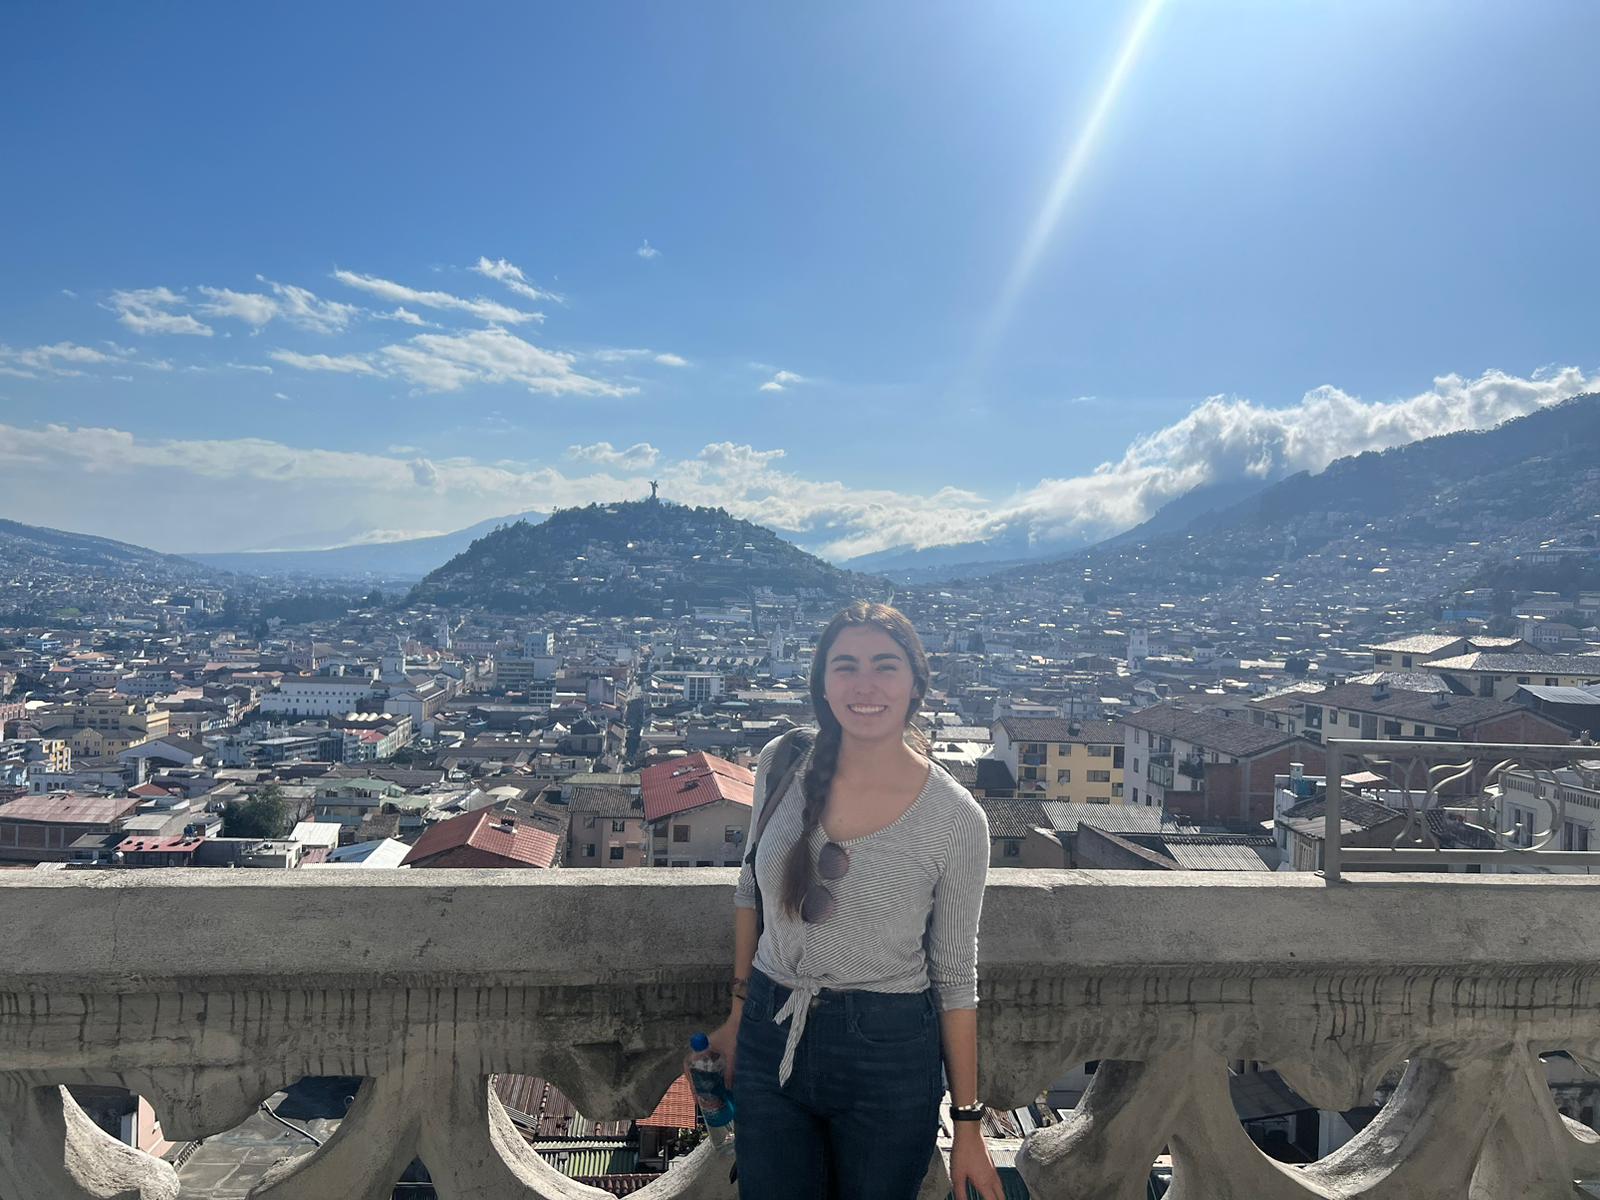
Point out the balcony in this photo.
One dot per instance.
(412, 981)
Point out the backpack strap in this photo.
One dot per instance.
(786, 760)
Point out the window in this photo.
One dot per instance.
(1099, 799)
(1099, 776)
(658, 862)
(1522, 826)
(1099, 751)
(1352, 720)
(1551, 681)
(1383, 659)
(1486, 687)
(1391, 729)
(1136, 795)
(731, 833)
(1137, 737)
(1136, 766)
(1063, 775)
(1012, 850)
(1574, 836)
(589, 850)
(1419, 731)
(704, 862)
(1064, 749)
(1116, 790)
(616, 854)
(1524, 679)
(680, 833)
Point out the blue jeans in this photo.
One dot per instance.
(858, 1116)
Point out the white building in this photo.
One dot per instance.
(321, 696)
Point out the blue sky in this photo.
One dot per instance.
(1299, 231)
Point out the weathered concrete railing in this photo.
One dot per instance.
(206, 991)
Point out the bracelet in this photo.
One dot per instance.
(741, 986)
(967, 1112)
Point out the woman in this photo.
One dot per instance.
(864, 982)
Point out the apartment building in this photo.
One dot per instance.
(698, 806)
(1079, 762)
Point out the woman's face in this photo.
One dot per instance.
(868, 683)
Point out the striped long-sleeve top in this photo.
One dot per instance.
(904, 916)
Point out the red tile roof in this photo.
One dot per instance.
(523, 843)
(680, 784)
(676, 1110)
(149, 845)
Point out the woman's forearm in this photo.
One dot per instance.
(744, 949)
(958, 1034)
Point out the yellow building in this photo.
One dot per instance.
(1054, 759)
(106, 723)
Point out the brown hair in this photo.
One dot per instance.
(818, 779)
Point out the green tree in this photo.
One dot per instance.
(265, 815)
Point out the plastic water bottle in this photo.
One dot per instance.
(711, 1092)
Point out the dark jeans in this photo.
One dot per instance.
(858, 1116)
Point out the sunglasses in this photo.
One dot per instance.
(833, 863)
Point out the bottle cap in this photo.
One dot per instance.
(699, 1042)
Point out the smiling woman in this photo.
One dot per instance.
(860, 994)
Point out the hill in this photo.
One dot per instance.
(411, 558)
(24, 546)
(638, 557)
(1443, 506)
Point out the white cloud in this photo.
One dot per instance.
(647, 251)
(250, 307)
(399, 293)
(347, 364)
(67, 359)
(299, 306)
(445, 361)
(300, 488)
(513, 278)
(616, 355)
(149, 310)
(259, 368)
(279, 396)
(640, 456)
(781, 381)
(405, 316)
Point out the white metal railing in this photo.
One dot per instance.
(1424, 775)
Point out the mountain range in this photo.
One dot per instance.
(1537, 474)
(409, 558)
(1470, 495)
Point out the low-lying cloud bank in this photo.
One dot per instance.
(222, 494)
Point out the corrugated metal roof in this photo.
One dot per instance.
(1220, 858)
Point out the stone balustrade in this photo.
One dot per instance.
(206, 991)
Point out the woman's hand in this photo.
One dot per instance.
(725, 1040)
(970, 1165)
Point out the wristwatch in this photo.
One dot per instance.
(967, 1112)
